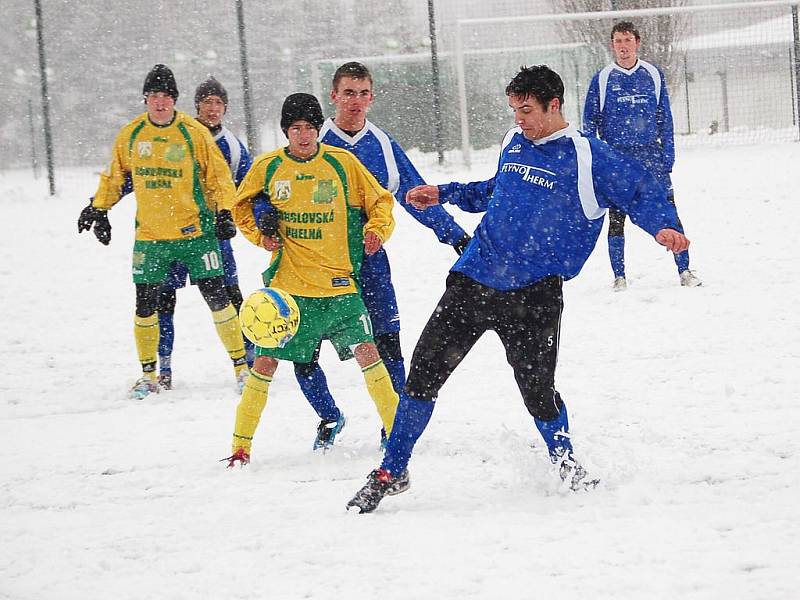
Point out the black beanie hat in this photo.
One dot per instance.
(301, 107)
(210, 87)
(160, 79)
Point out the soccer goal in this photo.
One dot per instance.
(731, 68)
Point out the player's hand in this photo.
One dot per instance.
(91, 216)
(267, 223)
(674, 241)
(461, 244)
(271, 242)
(372, 243)
(423, 196)
(226, 228)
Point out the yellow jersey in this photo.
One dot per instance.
(177, 173)
(325, 205)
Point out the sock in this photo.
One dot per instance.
(145, 331)
(397, 372)
(248, 413)
(556, 434)
(249, 351)
(379, 386)
(166, 340)
(412, 418)
(227, 323)
(682, 260)
(616, 252)
(315, 389)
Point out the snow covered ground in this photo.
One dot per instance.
(684, 402)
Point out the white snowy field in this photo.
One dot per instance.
(683, 401)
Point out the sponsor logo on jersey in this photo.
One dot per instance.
(188, 229)
(632, 99)
(531, 174)
(304, 176)
(175, 152)
(340, 282)
(324, 192)
(283, 189)
(515, 149)
(145, 149)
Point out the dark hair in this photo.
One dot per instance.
(539, 82)
(625, 27)
(351, 69)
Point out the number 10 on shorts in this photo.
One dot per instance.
(211, 260)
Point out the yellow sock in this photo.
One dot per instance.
(379, 386)
(248, 413)
(145, 331)
(230, 332)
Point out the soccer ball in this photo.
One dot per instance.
(269, 317)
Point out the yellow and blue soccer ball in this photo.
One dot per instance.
(269, 317)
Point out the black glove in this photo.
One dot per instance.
(226, 228)
(268, 223)
(461, 244)
(99, 218)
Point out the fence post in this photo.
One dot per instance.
(796, 36)
(252, 138)
(48, 134)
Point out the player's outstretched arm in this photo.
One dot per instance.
(423, 196)
(673, 240)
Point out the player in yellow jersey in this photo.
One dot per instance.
(184, 193)
(311, 201)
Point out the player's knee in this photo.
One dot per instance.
(214, 293)
(389, 346)
(235, 296)
(305, 370)
(146, 299)
(366, 354)
(421, 383)
(166, 301)
(265, 365)
(616, 224)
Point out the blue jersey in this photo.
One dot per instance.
(387, 161)
(235, 153)
(545, 206)
(629, 109)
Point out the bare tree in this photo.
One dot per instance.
(660, 34)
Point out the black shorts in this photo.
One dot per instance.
(527, 322)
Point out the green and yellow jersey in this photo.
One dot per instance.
(178, 174)
(321, 203)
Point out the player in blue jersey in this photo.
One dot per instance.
(627, 106)
(352, 95)
(543, 214)
(211, 102)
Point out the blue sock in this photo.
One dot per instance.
(682, 260)
(411, 420)
(397, 372)
(616, 252)
(249, 352)
(166, 339)
(553, 433)
(315, 389)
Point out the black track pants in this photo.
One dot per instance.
(527, 321)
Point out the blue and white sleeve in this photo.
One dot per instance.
(591, 109)
(665, 126)
(244, 164)
(470, 197)
(435, 218)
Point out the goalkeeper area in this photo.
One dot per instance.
(731, 71)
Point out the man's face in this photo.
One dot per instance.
(352, 98)
(160, 107)
(302, 139)
(625, 47)
(210, 111)
(535, 122)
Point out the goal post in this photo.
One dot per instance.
(732, 69)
